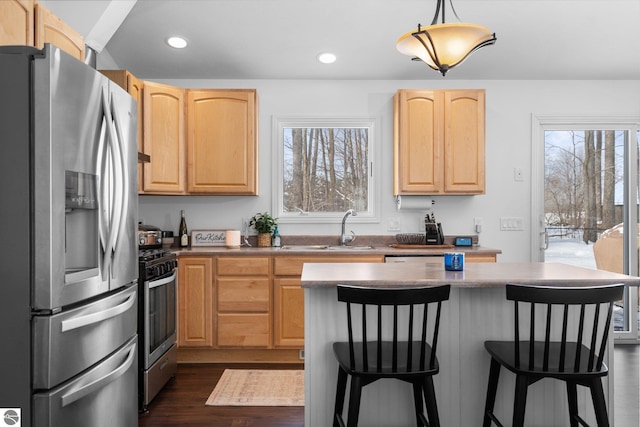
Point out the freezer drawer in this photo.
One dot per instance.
(105, 395)
(69, 342)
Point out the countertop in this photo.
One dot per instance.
(315, 275)
(307, 249)
(382, 245)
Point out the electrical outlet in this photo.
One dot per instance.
(393, 224)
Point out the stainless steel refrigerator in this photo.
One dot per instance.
(68, 264)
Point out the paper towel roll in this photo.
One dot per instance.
(414, 203)
(232, 238)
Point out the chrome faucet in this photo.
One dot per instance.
(344, 239)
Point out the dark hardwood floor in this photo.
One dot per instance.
(181, 402)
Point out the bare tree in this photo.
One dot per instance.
(589, 201)
(329, 169)
(609, 181)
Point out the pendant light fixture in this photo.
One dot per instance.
(444, 45)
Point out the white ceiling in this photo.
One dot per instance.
(280, 39)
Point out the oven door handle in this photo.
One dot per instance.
(101, 382)
(163, 281)
(99, 316)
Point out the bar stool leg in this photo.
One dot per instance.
(341, 389)
(492, 389)
(354, 401)
(520, 400)
(430, 399)
(572, 397)
(417, 401)
(597, 395)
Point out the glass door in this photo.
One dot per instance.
(589, 198)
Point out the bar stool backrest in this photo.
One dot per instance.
(396, 307)
(568, 318)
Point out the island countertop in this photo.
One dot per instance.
(474, 275)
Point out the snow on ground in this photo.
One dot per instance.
(570, 251)
(575, 252)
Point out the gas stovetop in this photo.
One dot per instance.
(146, 255)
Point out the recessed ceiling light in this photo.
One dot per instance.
(327, 58)
(177, 42)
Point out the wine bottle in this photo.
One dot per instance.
(182, 231)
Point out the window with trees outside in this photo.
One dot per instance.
(324, 168)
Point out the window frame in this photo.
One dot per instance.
(372, 215)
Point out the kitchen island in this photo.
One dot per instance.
(476, 311)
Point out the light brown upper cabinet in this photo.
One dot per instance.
(439, 142)
(134, 86)
(222, 146)
(16, 22)
(164, 141)
(51, 29)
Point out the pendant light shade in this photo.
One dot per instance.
(443, 46)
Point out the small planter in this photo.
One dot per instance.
(264, 224)
(264, 240)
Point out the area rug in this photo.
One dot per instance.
(249, 387)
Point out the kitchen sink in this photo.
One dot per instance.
(305, 247)
(327, 247)
(350, 247)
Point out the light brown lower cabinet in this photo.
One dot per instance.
(195, 302)
(288, 308)
(249, 308)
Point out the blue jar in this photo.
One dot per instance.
(454, 261)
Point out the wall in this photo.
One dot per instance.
(509, 106)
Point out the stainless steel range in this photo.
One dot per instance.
(156, 315)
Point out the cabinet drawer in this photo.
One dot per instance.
(242, 266)
(243, 330)
(243, 295)
(480, 258)
(292, 266)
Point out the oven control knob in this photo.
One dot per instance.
(141, 241)
(161, 269)
(151, 271)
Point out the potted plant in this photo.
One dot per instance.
(264, 224)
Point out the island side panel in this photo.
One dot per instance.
(471, 316)
(325, 322)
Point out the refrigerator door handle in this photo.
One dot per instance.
(115, 193)
(105, 191)
(120, 169)
(99, 316)
(101, 382)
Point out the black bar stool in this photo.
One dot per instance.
(370, 358)
(553, 352)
